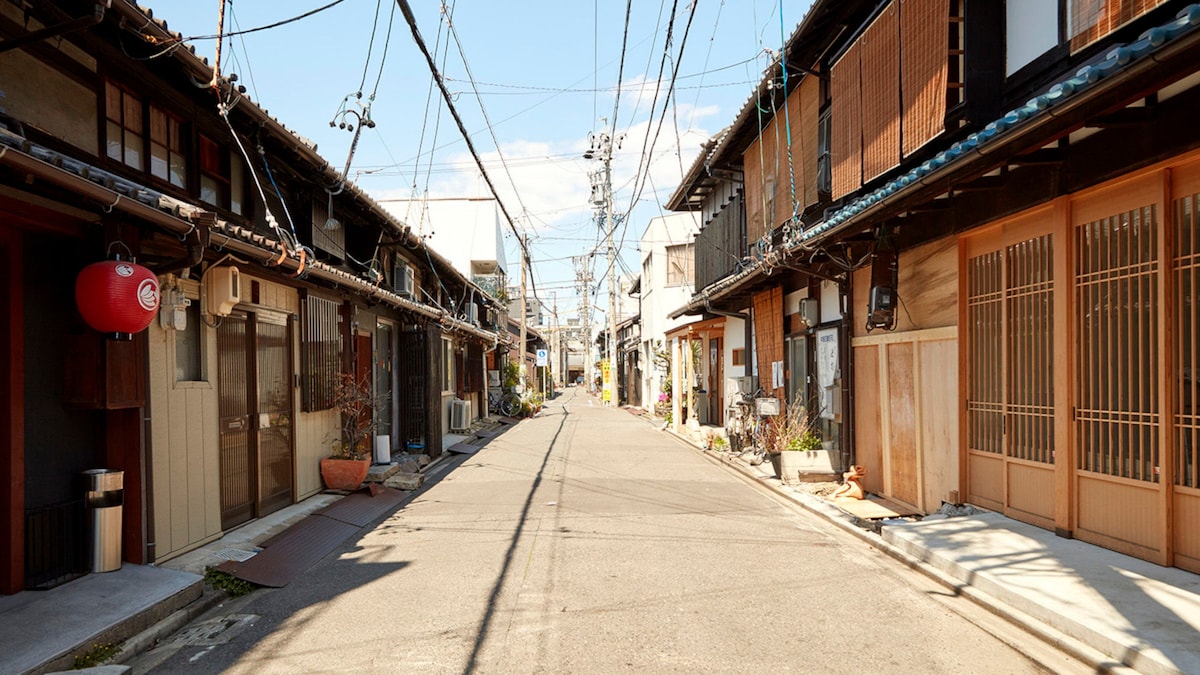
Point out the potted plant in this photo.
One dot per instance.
(792, 444)
(360, 408)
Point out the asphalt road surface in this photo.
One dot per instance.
(585, 540)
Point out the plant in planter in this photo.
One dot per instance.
(361, 408)
(787, 438)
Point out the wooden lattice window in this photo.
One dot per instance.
(124, 131)
(985, 393)
(1187, 287)
(1029, 350)
(167, 159)
(845, 145)
(320, 352)
(880, 104)
(1010, 303)
(1116, 297)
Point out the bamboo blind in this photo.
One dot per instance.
(1029, 349)
(789, 187)
(924, 52)
(768, 332)
(846, 123)
(1116, 279)
(1091, 20)
(810, 113)
(985, 395)
(880, 101)
(754, 185)
(1187, 286)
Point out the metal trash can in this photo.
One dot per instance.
(105, 499)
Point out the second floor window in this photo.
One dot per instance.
(214, 173)
(124, 126)
(680, 264)
(166, 148)
(127, 135)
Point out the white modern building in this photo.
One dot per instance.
(668, 275)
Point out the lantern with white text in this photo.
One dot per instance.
(117, 296)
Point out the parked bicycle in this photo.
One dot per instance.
(503, 402)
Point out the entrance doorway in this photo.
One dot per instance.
(255, 407)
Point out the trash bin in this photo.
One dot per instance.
(105, 499)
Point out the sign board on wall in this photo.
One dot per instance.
(827, 370)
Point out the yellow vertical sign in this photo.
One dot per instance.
(606, 378)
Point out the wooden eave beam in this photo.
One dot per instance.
(1125, 118)
(1041, 157)
(983, 183)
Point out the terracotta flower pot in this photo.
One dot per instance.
(344, 474)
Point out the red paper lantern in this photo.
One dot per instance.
(117, 296)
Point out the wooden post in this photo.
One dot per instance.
(12, 415)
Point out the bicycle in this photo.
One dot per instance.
(504, 403)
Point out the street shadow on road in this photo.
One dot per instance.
(490, 612)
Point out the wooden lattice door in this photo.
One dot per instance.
(1010, 432)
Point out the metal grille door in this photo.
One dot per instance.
(274, 411)
(237, 467)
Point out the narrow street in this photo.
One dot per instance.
(586, 540)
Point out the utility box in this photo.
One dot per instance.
(105, 500)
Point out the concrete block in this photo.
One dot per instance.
(405, 481)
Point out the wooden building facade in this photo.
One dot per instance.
(1005, 197)
(219, 412)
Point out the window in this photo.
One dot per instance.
(214, 173)
(166, 148)
(739, 357)
(680, 264)
(187, 347)
(447, 365)
(126, 136)
(1032, 30)
(1091, 20)
(124, 126)
(320, 352)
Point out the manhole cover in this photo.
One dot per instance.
(215, 631)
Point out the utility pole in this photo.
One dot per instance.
(524, 312)
(555, 341)
(601, 148)
(584, 276)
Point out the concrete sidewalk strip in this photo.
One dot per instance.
(1139, 613)
(101, 611)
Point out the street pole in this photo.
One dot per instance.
(524, 313)
(602, 146)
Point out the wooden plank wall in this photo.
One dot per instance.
(906, 382)
(184, 445)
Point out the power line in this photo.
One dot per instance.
(277, 24)
(462, 128)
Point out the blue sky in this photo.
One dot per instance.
(546, 73)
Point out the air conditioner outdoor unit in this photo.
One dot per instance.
(224, 289)
(472, 314)
(460, 415)
(493, 318)
(743, 385)
(404, 280)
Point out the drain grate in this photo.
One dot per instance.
(212, 632)
(236, 554)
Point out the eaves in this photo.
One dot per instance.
(177, 217)
(1173, 45)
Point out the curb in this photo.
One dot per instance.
(149, 638)
(1085, 653)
